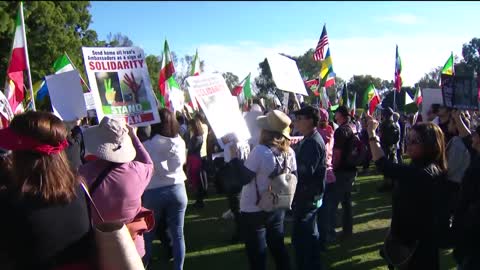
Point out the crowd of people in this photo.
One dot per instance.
(141, 177)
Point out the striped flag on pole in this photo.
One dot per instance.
(318, 54)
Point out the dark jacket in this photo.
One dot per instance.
(466, 222)
(311, 160)
(40, 235)
(343, 146)
(414, 206)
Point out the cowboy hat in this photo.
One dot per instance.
(276, 121)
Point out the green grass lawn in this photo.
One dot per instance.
(207, 235)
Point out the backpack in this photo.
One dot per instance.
(359, 152)
(281, 189)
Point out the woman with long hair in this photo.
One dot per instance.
(166, 194)
(194, 160)
(46, 218)
(415, 203)
(261, 228)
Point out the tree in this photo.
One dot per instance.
(431, 79)
(471, 55)
(118, 40)
(52, 28)
(153, 65)
(307, 66)
(264, 80)
(183, 67)
(231, 79)
(358, 85)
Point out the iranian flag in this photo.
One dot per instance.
(448, 68)
(195, 65)
(14, 84)
(371, 99)
(243, 91)
(166, 72)
(418, 97)
(62, 64)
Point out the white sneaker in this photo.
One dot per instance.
(228, 214)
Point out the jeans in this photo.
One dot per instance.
(171, 201)
(327, 215)
(305, 239)
(234, 205)
(344, 196)
(262, 229)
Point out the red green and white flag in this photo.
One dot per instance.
(243, 91)
(195, 65)
(166, 72)
(14, 84)
(418, 96)
(371, 99)
(62, 64)
(398, 71)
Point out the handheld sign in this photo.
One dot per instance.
(121, 85)
(285, 74)
(220, 107)
(66, 95)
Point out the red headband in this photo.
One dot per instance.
(13, 141)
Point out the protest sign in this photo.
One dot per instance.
(66, 95)
(430, 96)
(121, 85)
(460, 92)
(89, 101)
(285, 74)
(220, 107)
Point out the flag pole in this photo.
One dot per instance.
(394, 100)
(73, 65)
(26, 56)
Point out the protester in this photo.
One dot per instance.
(311, 168)
(194, 161)
(414, 203)
(166, 194)
(443, 121)
(76, 146)
(200, 116)
(46, 221)
(144, 133)
(118, 178)
(364, 139)
(260, 228)
(466, 221)
(389, 136)
(345, 173)
(183, 130)
(327, 215)
(398, 151)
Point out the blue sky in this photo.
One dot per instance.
(236, 36)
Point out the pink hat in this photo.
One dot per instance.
(323, 114)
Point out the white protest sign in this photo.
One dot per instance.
(220, 107)
(89, 101)
(66, 95)
(121, 85)
(430, 96)
(286, 75)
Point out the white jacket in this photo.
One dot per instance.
(168, 155)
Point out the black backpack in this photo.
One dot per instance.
(390, 134)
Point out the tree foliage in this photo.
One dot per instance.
(231, 79)
(52, 28)
(471, 55)
(118, 40)
(431, 79)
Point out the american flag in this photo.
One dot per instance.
(318, 54)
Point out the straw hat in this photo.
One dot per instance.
(275, 121)
(110, 141)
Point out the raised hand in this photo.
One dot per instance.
(132, 84)
(109, 91)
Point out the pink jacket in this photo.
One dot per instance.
(327, 135)
(119, 196)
